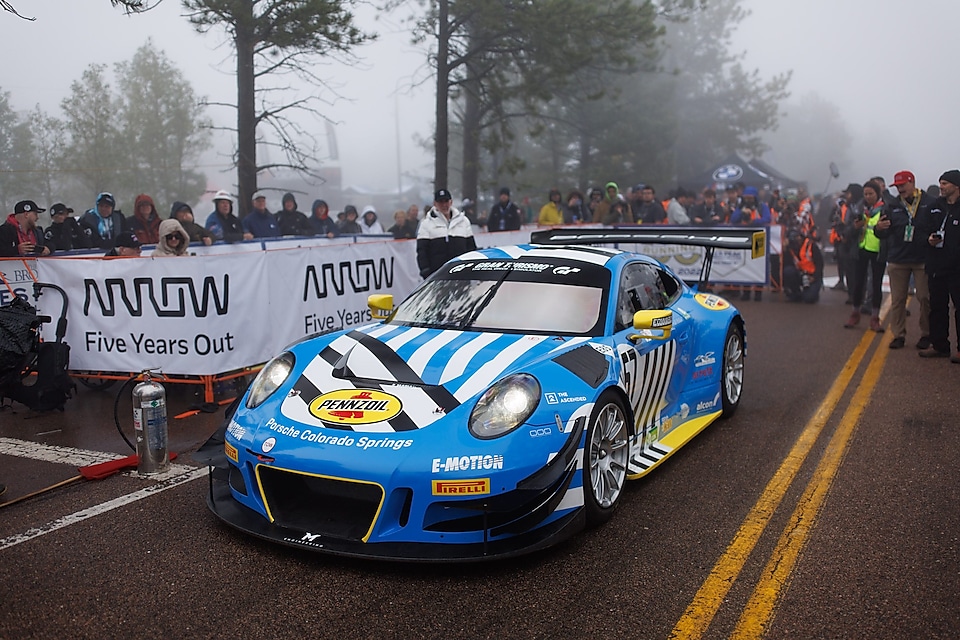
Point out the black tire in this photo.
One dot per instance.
(731, 374)
(606, 453)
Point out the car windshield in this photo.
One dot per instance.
(547, 297)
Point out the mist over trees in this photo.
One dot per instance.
(273, 40)
(145, 134)
(661, 97)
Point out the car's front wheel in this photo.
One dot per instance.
(731, 385)
(606, 455)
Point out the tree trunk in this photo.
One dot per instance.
(246, 113)
(471, 135)
(442, 142)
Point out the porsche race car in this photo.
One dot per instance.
(498, 409)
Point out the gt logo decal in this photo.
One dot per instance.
(355, 406)
(480, 486)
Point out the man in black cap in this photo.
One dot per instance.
(940, 224)
(20, 235)
(64, 233)
(126, 246)
(504, 215)
(445, 233)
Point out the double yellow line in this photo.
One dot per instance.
(759, 610)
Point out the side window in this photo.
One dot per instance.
(641, 288)
(671, 288)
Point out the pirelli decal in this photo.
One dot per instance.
(645, 377)
(476, 487)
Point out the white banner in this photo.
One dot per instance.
(235, 306)
(211, 314)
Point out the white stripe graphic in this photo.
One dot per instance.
(458, 363)
(493, 368)
(398, 341)
(376, 331)
(418, 361)
(572, 342)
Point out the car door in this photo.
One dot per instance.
(649, 367)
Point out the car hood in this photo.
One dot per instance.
(386, 379)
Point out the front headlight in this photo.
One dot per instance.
(505, 406)
(273, 374)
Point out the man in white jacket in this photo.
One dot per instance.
(444, 233)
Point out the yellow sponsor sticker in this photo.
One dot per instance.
(712, 302)
(231, 452)
(475, 487)
(355, 406)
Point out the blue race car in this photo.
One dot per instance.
(495, 411)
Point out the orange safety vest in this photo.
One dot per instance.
(834, 236)
(804, 260)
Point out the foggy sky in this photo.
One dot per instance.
(884, 63)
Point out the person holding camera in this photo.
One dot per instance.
(20, 235)
(940, 225)
(866, 222)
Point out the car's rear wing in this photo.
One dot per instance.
(750, 239)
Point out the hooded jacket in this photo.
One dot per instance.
(164, 250)
(194, 230)
(372, 225)
(293, 222)
(103, 231)
(325, 225)
(145, 226)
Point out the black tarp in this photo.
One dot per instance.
(753, 173)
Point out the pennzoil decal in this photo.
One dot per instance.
(355, 406)
(480, 486)
(712, 302)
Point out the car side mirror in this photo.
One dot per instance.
(381, 305)
(654, 324)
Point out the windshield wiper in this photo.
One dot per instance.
(484, 301)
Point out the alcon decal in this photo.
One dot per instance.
(173, 293)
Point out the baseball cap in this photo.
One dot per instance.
(903, 177)
(60, 208)
(108, 198)
(258, 194)
(27, 205)
(442, 195)
(128, 239)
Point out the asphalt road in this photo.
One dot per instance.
(826, 508)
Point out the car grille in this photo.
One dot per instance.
(321, 505)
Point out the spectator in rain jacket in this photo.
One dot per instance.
(182, 213)
(145, 221)
(64, 233)
(260, 223)
(223, 222)
(369, 222)
(321, 222)
(104, 222)
(293, 222)
(173, 240)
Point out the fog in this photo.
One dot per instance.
(885, 64)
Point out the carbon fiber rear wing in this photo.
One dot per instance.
(749, 239)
